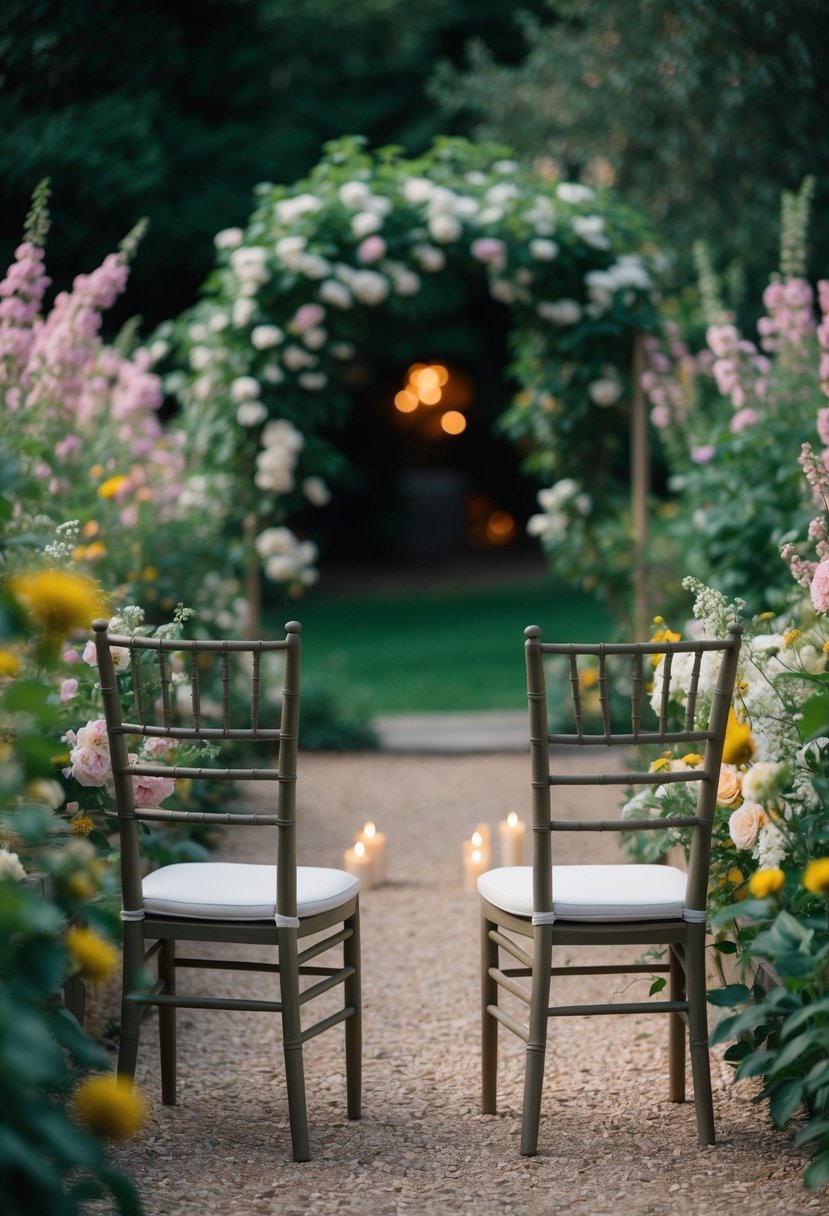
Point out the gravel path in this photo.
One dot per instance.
(610, 1141)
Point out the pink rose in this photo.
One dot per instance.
(703, 454)
(89, 767)
(151, 791)
(745, 823)
(307, 317)
(819, 589)
(489, 249)
(371, 249)
(68, 689)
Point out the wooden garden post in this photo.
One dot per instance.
(639, 489)
(253, 581)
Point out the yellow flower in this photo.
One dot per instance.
(81, 825)
(95, 551)
(665, 635)
(791, 637)
(588, 678)
(91, 528)
(58, 602)
(693, 759)
(816, 876)
(96, 470)
(739, 745)
(826, 647)
(110, 487)
(662, 764)
(80, 885)
(149, 574)
(94, 957)
(735, 876)
(110, 1106)
(9, 663)
(766, 882)
(659, 620)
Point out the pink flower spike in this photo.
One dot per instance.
(743, 419)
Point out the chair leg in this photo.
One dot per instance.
(489, 1024)
(537, 1044)
(130, 1012)
(698, 1032)
(292, 1044)
(167, 1023)
(676, 1031)
(353, 1024)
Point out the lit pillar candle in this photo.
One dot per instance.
(474, 864)
(482, 839)
(375, 843)
(511, 832)
(358, 863)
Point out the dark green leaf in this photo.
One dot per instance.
(730, 995)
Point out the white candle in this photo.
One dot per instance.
(511, 832)
(482, 839)
(474, 864)
(358, 862)
(375, 843)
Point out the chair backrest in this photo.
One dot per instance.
(657, 675)
(165, 695)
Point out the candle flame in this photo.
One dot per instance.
(512, 819)
(359, 849)
(370, 830)
(476, 855)
(477, 839)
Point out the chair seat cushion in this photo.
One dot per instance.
(594, 893)
(219, 890)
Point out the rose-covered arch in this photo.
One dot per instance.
(261, 357)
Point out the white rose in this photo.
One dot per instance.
(445, 228)
(366, 222)
(273, 373)
(199, 358)
(543, 250)
(313, 382)
(315, 338)
(265, 336)
(316, 491)
(502, 193)
(312, 266)
(605, 392)
(242, 313)
(370, 287)
(288, 248)
(228, 238)
(336, 294)
(429, 258)
(406, 283)
(218, 322)
(590, 228)
(560, 312)
(251, 413)
(354, 194)
(295, 358)
(573, 192)
(244, 388)
(417, 189)
(11, 866)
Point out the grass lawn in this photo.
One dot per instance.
(460, 648)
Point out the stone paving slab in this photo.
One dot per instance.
(456, 733)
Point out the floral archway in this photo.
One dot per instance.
(261, 359)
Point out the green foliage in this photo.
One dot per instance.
(698, 113)
(175, 111)
(782, 1031)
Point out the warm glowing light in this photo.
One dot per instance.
(476, 856)
(441, 372)
(359, 849)
(477, 839)
(406, 401)
(430, 395)
(500, 527)
(425, 378)
(512, 819)
(370, 830)
(453, 422)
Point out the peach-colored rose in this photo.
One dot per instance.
(729, 787)
(745, 823)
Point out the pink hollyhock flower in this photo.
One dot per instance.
(819, 589)
(743, 419)
(703, 454)
(371, 249)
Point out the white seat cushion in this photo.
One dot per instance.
(219, 890)
(625, 892)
